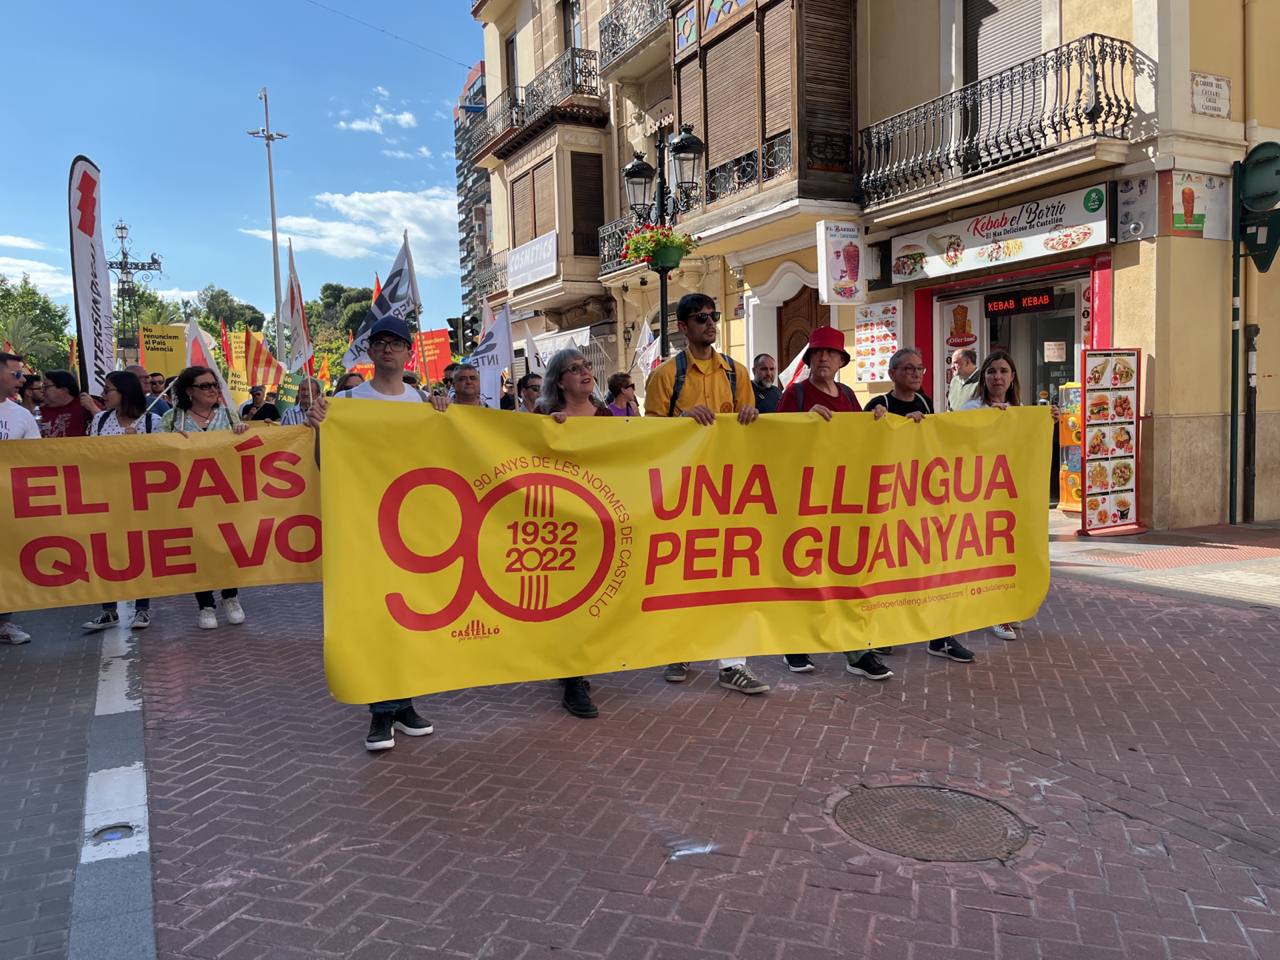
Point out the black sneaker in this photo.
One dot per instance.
(868, 665)
(676, 673)
(381, 734)
(950, 648)
(742, 680)
(409, 723)
(107, 618)
(798, 662)
(577, 700)
(141, 620)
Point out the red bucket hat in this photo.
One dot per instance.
(827, 338)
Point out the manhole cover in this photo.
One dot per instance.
(931, 823)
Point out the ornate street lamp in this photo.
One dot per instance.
(128, 273)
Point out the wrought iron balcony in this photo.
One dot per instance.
(575, 72)
(502, 117)
(612, 237)
(629, 25)
(746, 171)
(1082, 89)
(490, 274)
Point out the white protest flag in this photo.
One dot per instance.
(795, 372)
(295, 316)
(493, 355)
(648, 359)
(95, 330)
(398, 298)
(532, 358)
(646, 340)
(200, 353)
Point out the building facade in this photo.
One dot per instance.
(1041, 176)
(475, 204)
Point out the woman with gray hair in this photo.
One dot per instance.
(568, 390)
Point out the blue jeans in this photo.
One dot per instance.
(383, 707)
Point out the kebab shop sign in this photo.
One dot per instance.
(1037, 228)
(90, 520)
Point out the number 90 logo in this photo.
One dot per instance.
(534, 548)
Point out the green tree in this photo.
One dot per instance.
(217, 304)
(33, 324)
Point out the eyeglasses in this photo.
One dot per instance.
(912, 368)
(212, 385)
(583, 366)
(711, 317)
(388, 345)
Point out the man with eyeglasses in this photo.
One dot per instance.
(16, 423)
(389, 344)
(907, 370)
(699, 383)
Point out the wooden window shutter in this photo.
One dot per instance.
(689, 79)
(828, 82)
(522, 210)
(777, 69)
(587, 171)
(544, 198)
(732, 108)
(998, 34)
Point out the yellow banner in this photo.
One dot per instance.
(164, 348)
(473, 547)
(113, 518)
(237, 371)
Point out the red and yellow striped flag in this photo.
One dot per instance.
(261, 367)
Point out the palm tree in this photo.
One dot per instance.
(25, 337)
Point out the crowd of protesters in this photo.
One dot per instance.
(698, 383)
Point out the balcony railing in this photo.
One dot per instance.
(1085, 88)
(627, 25)
(491, 274)
(576, 72)
(747, 171)
(612, 236)
(500, 117)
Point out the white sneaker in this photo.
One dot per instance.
(1004, 631)
(231, 607)
(208, 619)
(13, 634)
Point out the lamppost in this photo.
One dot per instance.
(127, 272)
(265, 134)
(638, 180)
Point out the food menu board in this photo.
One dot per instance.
(1110, 452)
(876, 335)
(1070, 437)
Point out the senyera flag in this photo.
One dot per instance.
(398, 297)
(90, 279)
(261, 366)
(300, 349)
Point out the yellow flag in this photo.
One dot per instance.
(473, 547)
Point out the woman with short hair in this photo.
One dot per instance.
(621, 397)
(125, 415)
(198, 408)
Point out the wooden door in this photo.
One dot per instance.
(797, 318)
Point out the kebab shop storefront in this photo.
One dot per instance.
(1033, 279)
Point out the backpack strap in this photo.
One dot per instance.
(682, 372)
(800, 396)
(146, 419)
(847, 392)
(732, 374)
(102, 422)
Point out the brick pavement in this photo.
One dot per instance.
(1136, 733)
(46, 705)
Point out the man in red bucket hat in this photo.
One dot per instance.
(824, 357)
(821, 394)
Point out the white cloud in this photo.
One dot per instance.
(20, 243)
(440, 115)
(425, 153)
(177, 295)
(398, 154)
(382, 91)
(370, 225)
(45, 277)
(380, 118)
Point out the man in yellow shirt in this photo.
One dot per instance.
(699, 383)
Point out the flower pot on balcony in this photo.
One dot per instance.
(667, 257)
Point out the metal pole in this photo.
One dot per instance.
(275, 241)
(1235, 342)
(1251, 331)
(660, 215)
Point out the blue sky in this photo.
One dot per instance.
(160, 97)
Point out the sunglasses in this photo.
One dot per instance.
(712, 317)
(583, 366)
(205, 386)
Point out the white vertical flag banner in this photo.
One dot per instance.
(399, 298)
(200, 353)
(532, 358)
(493, 355)
(646, 339)
(95, 330)
(295, 315)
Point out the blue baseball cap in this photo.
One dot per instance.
(393, 326)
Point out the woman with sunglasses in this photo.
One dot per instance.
(568, 390)
(622, 396)
(198, 408)
(125, 415)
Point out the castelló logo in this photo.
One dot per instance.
(476, 629)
